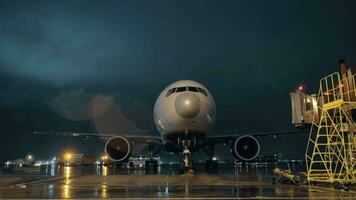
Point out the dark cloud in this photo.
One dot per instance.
(250, 54)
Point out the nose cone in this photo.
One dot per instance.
(188, 105)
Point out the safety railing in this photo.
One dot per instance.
(330, 88)
(334, 89)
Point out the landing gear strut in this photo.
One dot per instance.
(186, 154)
(186, 165)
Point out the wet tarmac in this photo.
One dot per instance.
(251, 182)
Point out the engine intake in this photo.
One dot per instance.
(118, 149)
(246, 148)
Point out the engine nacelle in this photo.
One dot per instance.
(118, 149)
(245, 148)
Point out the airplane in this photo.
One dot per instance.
(184, 114)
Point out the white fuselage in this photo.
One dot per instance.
(184, 109)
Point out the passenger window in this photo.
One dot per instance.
(193, 89)
(201, 90)
(170, 92)
(181, 89)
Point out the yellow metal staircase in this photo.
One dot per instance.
(331, 150)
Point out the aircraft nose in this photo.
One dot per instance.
(188, 105)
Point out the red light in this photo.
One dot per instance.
(300, 88)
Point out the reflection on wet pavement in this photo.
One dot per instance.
(104, 182)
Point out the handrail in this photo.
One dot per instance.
(332, 88)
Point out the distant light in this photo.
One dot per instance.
(67, 156)
(215, 158)
(140, 164)
(300, 88)
(29, 157)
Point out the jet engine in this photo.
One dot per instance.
(245, 148)
(118, 148)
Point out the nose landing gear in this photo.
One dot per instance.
(186, 165)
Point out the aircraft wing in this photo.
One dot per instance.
(230, 138)
(136, 139)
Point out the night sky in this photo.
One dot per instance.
(65, 63)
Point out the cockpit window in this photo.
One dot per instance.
(171, 91)
(193, 89)
(201, 90)
(181, 89)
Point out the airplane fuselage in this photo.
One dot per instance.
(184, 111)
